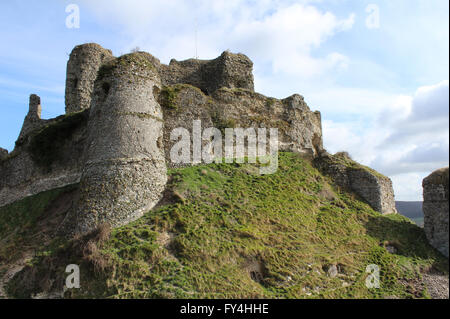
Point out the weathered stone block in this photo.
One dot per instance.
(436, 210)
(82, 67)
(375, 188)
(228, 70)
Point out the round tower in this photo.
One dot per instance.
(82, 67)
(125, 172)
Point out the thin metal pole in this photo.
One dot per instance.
(196, 44)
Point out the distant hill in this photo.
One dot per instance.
(412, 210)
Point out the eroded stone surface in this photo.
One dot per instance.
(48, 157)
(435, 209)
(3, 153)
(375, 188)
(124, 172)
(82, 67)
(299, 129)
(33, 119)
(229, 71)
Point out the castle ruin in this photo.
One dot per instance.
(114, 140)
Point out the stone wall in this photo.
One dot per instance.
(46, 157)
(186, 72)
(189, 103)
(375, 188)
(115, 137)
(299, 129)
(436, 210)
(33, 119)
(228, 70)
(82, 67)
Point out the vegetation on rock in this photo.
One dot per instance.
(46, 144)
(223, 231)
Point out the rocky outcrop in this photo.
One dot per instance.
(435, 209)
(375, 188)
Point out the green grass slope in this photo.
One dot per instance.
(224, 231)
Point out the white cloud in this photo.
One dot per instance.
(353, 137)
(286, 38)
(345, 101)
(399, 110)
(431, 102)
(406, 139)
(424, 128)
(55, 88)
(280, 34)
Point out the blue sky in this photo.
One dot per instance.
(382, 91)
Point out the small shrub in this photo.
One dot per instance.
(168, 97)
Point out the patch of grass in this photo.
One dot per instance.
(270, 101)
(168, 97)
(47, 272)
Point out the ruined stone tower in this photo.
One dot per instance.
(228, 70)
(82, 67)
(124, 171)
(33, 118)
(435, 209)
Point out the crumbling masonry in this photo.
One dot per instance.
(435, 209)
(114, 139)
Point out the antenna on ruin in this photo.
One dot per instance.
(196, 44)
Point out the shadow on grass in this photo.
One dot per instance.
(408, 239)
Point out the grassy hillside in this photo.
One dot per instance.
(28, 224)
(223, 231)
